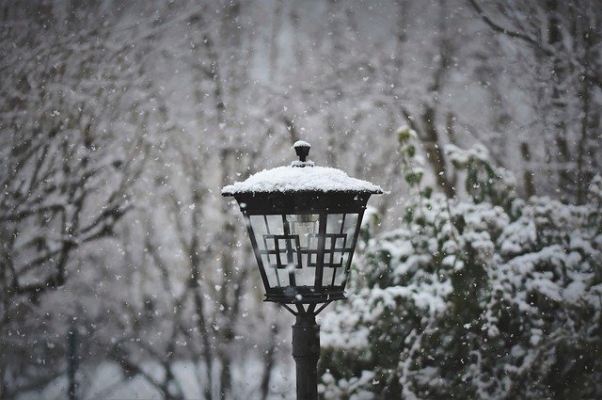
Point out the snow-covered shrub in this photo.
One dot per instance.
(493, 297)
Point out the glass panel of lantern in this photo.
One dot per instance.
(338, 248)
(289, 244)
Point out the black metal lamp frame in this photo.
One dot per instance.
(304, 203)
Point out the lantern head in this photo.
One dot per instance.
(303, 222)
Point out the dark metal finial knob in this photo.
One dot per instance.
(302, 150)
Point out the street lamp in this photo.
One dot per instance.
(303, 222)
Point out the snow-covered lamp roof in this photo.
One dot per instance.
(301, 176)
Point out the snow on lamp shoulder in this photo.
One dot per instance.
(310, 179)
(301, 176)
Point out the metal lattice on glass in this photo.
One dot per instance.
(291, 246)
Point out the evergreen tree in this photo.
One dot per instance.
(491, 297)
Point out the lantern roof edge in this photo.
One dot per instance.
(290, 180)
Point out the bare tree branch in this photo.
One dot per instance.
(538, 46)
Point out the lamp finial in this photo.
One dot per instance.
(302, 149)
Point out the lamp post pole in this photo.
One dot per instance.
(303, 222)
(306, 352)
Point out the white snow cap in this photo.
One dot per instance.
(301, 176)
(293, 179)
(301, 143)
